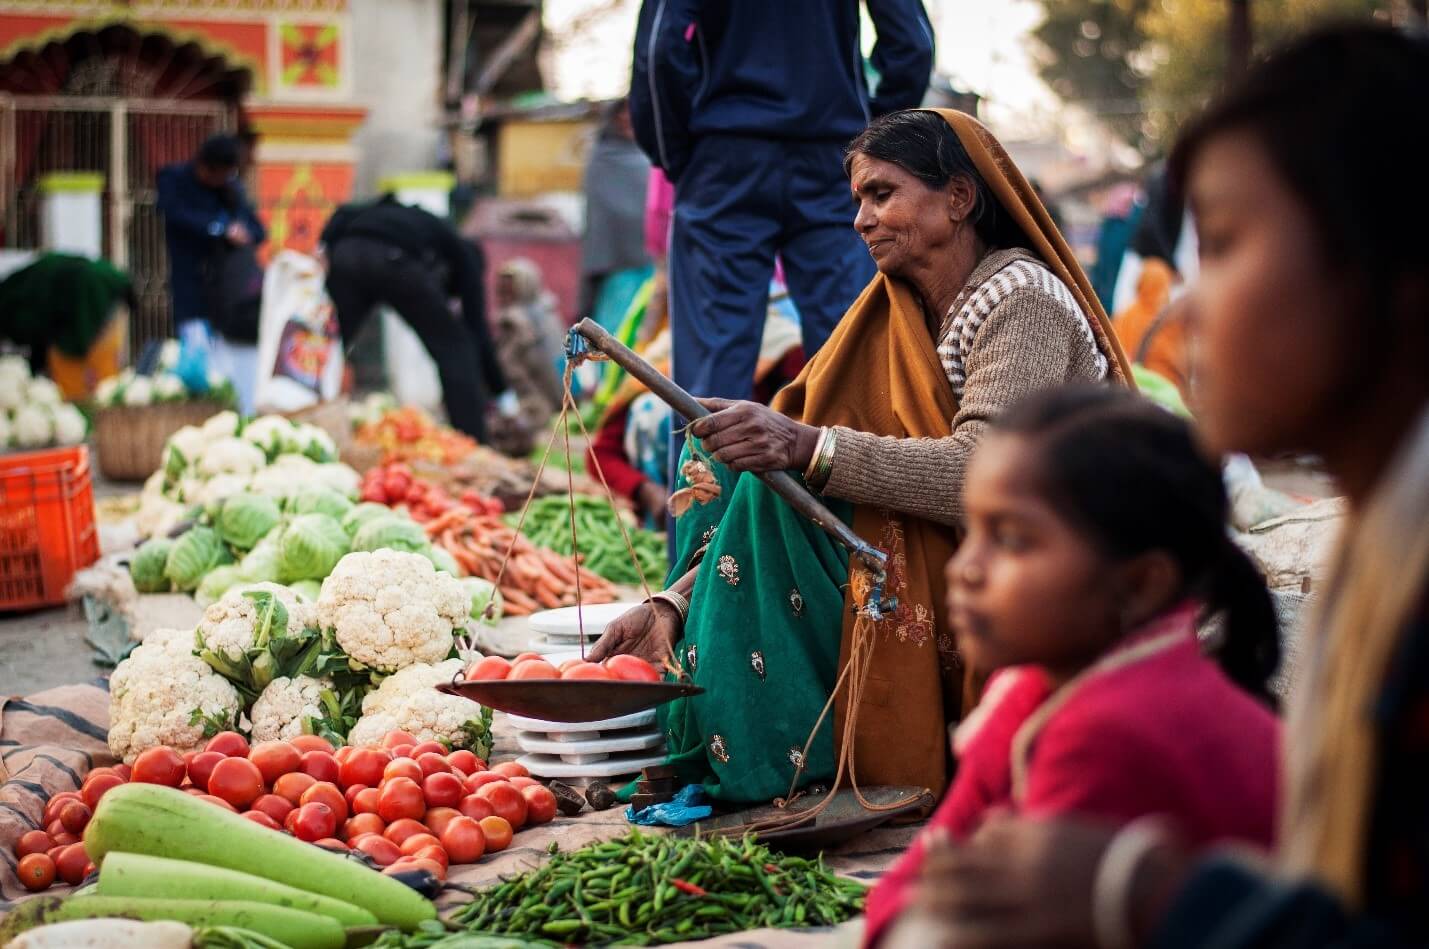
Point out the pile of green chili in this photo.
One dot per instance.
(645, 890)
(603, 550)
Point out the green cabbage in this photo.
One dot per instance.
(193, 556)
(146, 567)
(260, 565)
(244, 519)
(483, 592)
(218, 582)
(442, 560)
(310, 546)
(307, 589)
(393, 532)
(362, 513)
(318, 499)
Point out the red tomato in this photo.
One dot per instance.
(53, 805)
(437, 818)
(366, 801)
(533, 669)
(228, 744)
(476, 807)
(492, 667)
(70, 866)
(569, 664)
(443, 789)
(434, 853)
(401, 751)
(328, 794)
(399, 798)
(383, 852)
(428, 747)
(393, 739)
(275, 759)
(333, 844)
(464, 840)
(416, 842)
(96, 772)
(321, 765)
(587, 670)
(540, 804)
(432, 763)
(400, 830)
(315, 820)
(36, 872)
(220, 802)
(64, 838)
(521, 784)
(396, 485)
(292, 786)
(96, 786)
(161, 765)
(37, 841)
(54, 828)
(349, 794)
(431, 866)
(402, 768)
(526, 655)
(364, 766)
(54, 852)
(75, 816)
(511, 769)
(263, 820)
(507, 802)
(306, 743)
(497, 832)
(632, 669)
(479, 780)
(237, 781)
(464, 762)
(374, 492)
(361, 824)
(274, 805)
(201, 765)
(342, 754)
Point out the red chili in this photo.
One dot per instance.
(688, 888)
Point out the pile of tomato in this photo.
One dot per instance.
(406, 804)
(530, 665)
(396, 486)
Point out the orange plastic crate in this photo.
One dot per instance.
(47, 528)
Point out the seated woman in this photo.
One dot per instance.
(978, 302)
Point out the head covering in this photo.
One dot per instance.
(879, 372)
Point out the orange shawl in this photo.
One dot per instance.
(879, 372)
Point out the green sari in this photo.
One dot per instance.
(764, 642)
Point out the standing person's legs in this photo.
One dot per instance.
(826, 263)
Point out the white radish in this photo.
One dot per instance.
(105, 934)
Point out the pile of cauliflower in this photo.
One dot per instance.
(33, 413)
(164, 384)
(360, 662)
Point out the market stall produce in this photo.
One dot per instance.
(602, 542)
(33, 414)
(408, 433)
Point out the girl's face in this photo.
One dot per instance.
(1024, 586)
(1267, 316)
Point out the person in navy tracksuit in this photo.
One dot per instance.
(747, 106)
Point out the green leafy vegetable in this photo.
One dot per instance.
(393, 532)
(193, 555)
(146, 567)
(244, 519)
(310, 546)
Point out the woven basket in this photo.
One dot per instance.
(130, 439)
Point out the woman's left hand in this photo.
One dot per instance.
(748, 436)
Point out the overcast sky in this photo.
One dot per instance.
(980, 43)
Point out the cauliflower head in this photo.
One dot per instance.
(107, 392)
(139, 391)
(189, 442)
(227, 624)
(429, 715)
(33, 426)
(280, 712)
(169, 388)
(389, 609)
(164, 695)
(418, 677)
(70, 425)
(43, 391)
(220, 425)
(230, 456)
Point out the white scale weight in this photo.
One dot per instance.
(560, 630)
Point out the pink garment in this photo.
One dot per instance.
(1163, 733)
(659, 207)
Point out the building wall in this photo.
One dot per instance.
(397, 56)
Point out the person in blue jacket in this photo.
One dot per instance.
(204, 206)
(747, 106)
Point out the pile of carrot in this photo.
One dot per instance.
(536, 578)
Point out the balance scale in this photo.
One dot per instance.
(581, 752)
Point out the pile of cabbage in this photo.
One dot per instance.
(33, 413)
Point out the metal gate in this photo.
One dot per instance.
(127, 140)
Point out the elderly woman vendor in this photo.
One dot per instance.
(977, 302)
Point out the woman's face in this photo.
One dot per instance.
(1024, 586)
(1269, 321)
(905, 223)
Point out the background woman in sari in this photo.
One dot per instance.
(978, 301)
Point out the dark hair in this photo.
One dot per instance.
(925, 146)
(1338, 114)
(1131, 476)
(219, 151)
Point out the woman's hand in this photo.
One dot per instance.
(648, 631)
(651, 499)
(748, 436)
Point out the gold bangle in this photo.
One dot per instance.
(814, 458)
(824, 460)
(673, 599)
